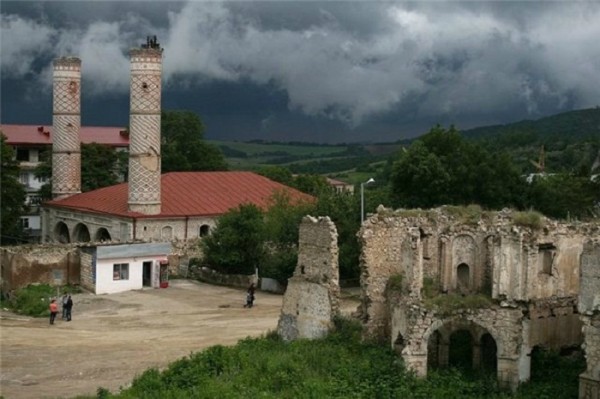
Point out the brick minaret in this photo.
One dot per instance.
(66, 121)
(144, 128)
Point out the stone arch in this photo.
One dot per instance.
(488, 352)
(434, 350)
(464, 251)
(61, 233)
(463, 278)
(166, 233)
(102, 234)
(81, 233)
(204, 230)
(439, 333)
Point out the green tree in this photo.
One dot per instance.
(99, 166)
(12, 198)
(236, 246)
(183, 147)
(443, 168)
(311, 184)
(564, 195)
(282, 225)
(277, 173)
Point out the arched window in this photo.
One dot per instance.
(166, 233)
(204, 230)
(463, 278)
(61, 233)
(81, 233)
(102, 235)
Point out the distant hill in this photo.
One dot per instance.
(579, 124)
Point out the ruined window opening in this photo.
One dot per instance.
(102, 235)
(425, 243)
(399, 344)
(463, 277)
(547, 252)
(61, 233)
(204, 230)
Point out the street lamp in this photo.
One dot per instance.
(362, 198)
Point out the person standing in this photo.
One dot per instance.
(250, 296)
(64, 305)
(69, 307)
(53, 310)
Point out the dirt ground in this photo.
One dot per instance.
(113, 338)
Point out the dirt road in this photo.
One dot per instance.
(113, 338)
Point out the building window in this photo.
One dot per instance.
(121, 271)
(24, 178)
(25, 223)
(22, 155)
(204, 230)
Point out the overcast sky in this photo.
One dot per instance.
(311, 71)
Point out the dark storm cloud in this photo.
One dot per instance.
(373, 70)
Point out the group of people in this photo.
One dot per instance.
(67, 307)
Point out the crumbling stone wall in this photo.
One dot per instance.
(53, 265)
(528, 273)
(311, 300)
(589, 308)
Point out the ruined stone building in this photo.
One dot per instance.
(432, 280)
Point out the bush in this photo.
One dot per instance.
(34, 300)
(530, 219)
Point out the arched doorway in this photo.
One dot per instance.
(81, 233)
(460, 351)
(399, 344)
(463, 278)
(434, 349)
(61, 233)
(102, 235)
(489, 353)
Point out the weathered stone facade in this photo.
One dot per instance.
(508, 287)
(311, 300)
(64, 225)
(54, 265)
(589, 308)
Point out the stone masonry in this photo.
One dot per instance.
(589, 309)
(428, 276)
(66, 122)
(144, 125)
(311, 300)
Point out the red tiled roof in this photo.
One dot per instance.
(187, 194)
(37, 134)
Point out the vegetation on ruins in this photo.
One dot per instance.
(338, 366)
(12, 196)
(533, 220)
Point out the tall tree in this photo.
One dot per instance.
(183, 147)
(443, 168)
(236, 246)
(12, 197)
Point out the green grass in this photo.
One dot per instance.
(339, 366)
(533, 220)
(34, 300)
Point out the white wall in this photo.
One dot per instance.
(104, 275)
